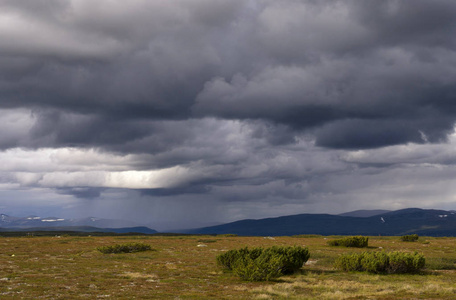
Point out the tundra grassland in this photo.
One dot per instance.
(184, 267)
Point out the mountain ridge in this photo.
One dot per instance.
(7, 221)
(89, 224)
(430, 222)
(85, 229)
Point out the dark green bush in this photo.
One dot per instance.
(124, 248)
(265, 267)
(292, 258)
(375, 262)
(410, 238)
(353, 241)
(349, 262)
(381, 262)
(259, 264)
(400, 262)
(228, 258)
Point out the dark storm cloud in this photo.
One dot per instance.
(356, 74)
(248, 108)
(398, 23)
(350, 69)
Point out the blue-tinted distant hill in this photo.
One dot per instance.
(91, 224)
(87, 229)
(406, 221)
(7, 221)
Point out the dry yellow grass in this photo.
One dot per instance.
(360, 286)
(181, 268)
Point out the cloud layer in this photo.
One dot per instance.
(254, 108)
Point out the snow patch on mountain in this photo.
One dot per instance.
(52, 220)
(36, 221)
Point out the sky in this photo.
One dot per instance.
(188, 113)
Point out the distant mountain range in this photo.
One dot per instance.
(91, 224)
(428, 222)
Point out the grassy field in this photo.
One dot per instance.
(184, 267)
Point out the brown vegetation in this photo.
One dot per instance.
(72, 268)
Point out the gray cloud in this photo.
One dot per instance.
(242, 103)
(305, 65)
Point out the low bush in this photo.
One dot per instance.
(400, 262)
(354, 241)
(292, 258)
(349, 262)
(228, 258)
(410, 238)
(375, 262)
(260, 264)
(264, 267)
(381, 262)
(124, 248)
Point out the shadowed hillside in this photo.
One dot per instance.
(406, 221)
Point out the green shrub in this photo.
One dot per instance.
(265, 267)
(375, 262)
(260, 264)
(381, 262)
(400, 262)
(292, 258)
(228, 258)
(410, 238)
(124, 248)
(349, 262)
(354, 241)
